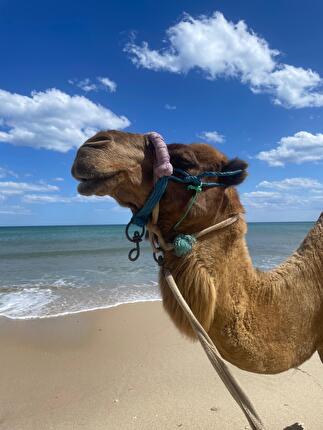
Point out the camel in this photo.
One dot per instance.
(260, 321)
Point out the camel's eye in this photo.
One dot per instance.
(182, 157)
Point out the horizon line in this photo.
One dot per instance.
(124, 225)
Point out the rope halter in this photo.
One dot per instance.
(164, 172)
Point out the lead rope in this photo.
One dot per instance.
(219, 365)
(210, 349)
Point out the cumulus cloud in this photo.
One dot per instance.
(300, 148)
(88, 85)
(17, 197)
(9, 188)
(211, 136)
(269, 200)
(41, 192)
(53, 119)
(296, 193)
(292, 184)
(292, 87)
(221, 48)
(47, 198)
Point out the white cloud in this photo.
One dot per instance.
(42, 192)
(300, 148)
(85, 84)
(46, 198)
(53, 119)
(290, 193)
(38, 198)
(58, 179)
(221, 48)
(88, 85)
(108, 83)
(292, 87)
(270, 200)
(92, 199)
(14, 210)
(261, 199)
(170, 107)
(11, 188)
(292, 184)
(212, 136)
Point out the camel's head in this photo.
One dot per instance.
(120, 165)
(117, 164)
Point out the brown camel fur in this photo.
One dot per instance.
(264, 322)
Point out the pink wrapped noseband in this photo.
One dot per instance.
(162, 166)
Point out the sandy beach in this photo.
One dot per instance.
(128, 368)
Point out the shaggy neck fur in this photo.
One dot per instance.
(256, 319)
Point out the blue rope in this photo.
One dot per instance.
(141, 218)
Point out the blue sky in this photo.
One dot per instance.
(243, 76)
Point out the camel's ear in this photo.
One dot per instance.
(182, 156)
(230, 166)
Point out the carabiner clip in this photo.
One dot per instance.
(134, 253)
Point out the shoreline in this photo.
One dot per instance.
(126, 368)
(63, 314)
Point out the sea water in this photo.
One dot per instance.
(57, 270)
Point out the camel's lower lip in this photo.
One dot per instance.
(88, 187)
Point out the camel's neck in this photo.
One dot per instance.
(225, 257)
(219, 264)
(239, 305)
(222, 252)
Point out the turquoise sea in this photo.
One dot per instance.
(57, 270)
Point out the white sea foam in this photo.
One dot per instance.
(18, 304)
(33, 317)
(64, 297)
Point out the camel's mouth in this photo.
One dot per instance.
(95, 185)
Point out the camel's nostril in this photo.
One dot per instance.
(94, 145)
(96, 142)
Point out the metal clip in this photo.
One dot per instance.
(159, 258)
(134, 253)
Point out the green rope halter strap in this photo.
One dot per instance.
(198, 189)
